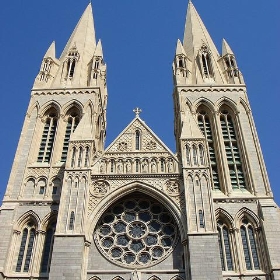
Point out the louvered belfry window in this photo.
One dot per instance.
(232, 151)
(205, 126)
(72, 122)
(48, 136)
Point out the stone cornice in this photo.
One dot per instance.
(61, 91)
(212, 88)
(135, 176)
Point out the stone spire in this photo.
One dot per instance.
(196, 41)
(226, 48)
(77, 54)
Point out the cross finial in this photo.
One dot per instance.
(137, 112)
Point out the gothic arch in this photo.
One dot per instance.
(94, 278)
(245, 105)
(74, 103)
(222, 214)
(205, 102)
(125, 190)
(49, 105)
(248, 214)
(225, 101)
(27, 217)
(153, 277)
(34, 108)
(117, 278)
(49, 218)
(176, 278)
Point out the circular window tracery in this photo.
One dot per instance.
(136, 231)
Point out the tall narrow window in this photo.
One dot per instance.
(188, 155)
(232, 152)
(72, 122)
(201, 219)
(137, 140)
(162, 165)
(249, 246)
(201, 154)
(48, 136)
(87, 157)
(71, 221)
(47, 251)
(195, 162)
(205, 126)
(225, 247)
(73, 158)
(26, 248)
(112, 168)
(206, 64)
(137, 165)
(71, 61)
(80, 157)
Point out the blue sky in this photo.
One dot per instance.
(139, 39)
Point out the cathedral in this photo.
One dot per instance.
(75, 210)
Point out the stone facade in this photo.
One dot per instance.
(136, 211)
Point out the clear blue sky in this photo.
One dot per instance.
(139, 39)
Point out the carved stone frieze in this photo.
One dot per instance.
(37, 172)
(100, 188)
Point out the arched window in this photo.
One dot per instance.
(225, 246)
(201, 154)
(195, 161)
(201, 219)
(205, 126)
(188, 154)
(71, 220)
(71, 62)
(26, 248)
(137, 140)
(42, 185)
(73, 119)
(87, 157)
(80, 157)
(206, 65)
(47, 140)
(73, 158)
(232, 151)
(248, 237)
(48, 246)
(112, 166)
(137, 165)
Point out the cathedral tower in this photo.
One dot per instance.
(135, 210)
(230, 207)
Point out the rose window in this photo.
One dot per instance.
(136, 231)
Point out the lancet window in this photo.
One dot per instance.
(232, 151)
(28, 236)
(71, 221)
(48, 136)
(205, 126)
(225, 246)
(48, 245)
(248, 237)
(71, 62)
(206, 63)
(137, 140)
(231, 66)
(45, 69)
(73, 119)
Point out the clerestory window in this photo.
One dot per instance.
(70, 63)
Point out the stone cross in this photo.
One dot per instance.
(137, 112)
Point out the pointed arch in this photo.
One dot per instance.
(177, 277)
(142, 188)
(117, 278)
(205, 102)
(221, 213)
(70, 104)
(248, 214)
(25, 218)
(94, 278)
(154, 277)
(49, 105)
(226, 101)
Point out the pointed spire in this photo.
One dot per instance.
(83, 130)
(180, 48)
(226, 48)
(51, 51)
(82, 43)
(196, 33)
(83, 36)
(191, 129)
(98, 51)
